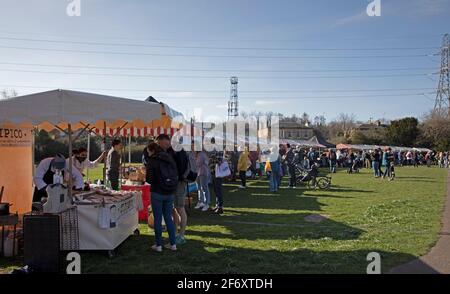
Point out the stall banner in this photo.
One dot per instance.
(15, 137)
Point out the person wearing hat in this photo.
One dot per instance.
(45, 172)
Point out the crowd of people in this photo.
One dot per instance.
(170, 172)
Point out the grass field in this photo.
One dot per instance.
(263, 232)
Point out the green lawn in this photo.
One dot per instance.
(263, 232)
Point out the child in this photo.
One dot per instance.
(392, 176)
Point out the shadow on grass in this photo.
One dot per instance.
(262, 226)
(135, 256)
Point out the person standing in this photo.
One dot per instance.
(253, 157)
(283, 167)
(332, 160)
(113, 163)
(350, 161)
(289, 160)
(45, 172)
(219, 168)
(203, 178)
(376, 163)
(243, 165)
(162, 174)
(182, 162)
(273, 169)
(388, 157)
(81, 162)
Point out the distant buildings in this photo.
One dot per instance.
(295, 131)
(371, 128)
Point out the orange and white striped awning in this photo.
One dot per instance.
(136, 132)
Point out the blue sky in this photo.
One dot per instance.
(232, 38)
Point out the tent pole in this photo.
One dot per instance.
(69, 129)
(88, 152)
(104, 149)
(33, 154)
(129, 149)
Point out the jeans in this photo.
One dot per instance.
(203, 190)
(217, 183)
(273, 183)
(376, 168)
(162, 206)
(291, 169)
(243, 177)
(274, 177)
(387, 172)
(332, 166)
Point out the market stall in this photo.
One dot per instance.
(104, 218)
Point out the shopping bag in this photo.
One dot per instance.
(223, 170)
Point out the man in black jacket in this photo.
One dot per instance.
(289, 160)
(182, 161)
(162, 175)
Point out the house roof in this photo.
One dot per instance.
(292, 125)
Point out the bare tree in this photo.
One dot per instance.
(340, 129)
(7, 93)
(435, 130)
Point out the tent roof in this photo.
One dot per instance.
(61, 107)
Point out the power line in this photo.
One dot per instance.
(248, 40)
(211, 70)
(296, 98)
(213, 47)
(215, 56)
(223, 91)
(212, 77)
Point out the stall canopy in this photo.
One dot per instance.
(63, 107)
(67, 111)
(372, 147)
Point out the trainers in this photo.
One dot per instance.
(171, 247)
(242, 187)
(205, 208)
(157, 248)
(219, 210)
(180, 240)
(199, 205)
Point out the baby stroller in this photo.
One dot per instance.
(312, 179)
(356, 165)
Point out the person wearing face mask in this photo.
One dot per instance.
(81, 162)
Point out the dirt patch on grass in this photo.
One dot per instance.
(315, 218)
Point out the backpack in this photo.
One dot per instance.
(168, 173)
